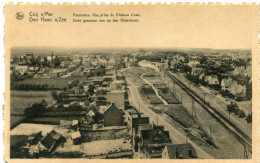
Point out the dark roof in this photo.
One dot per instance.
(154, 152)
(101, 98)
(55, 135)
(50, 140)
(108, 79)
(181, 151)
(112, 106)
(120, 78)
(101, 102)
(157, 134)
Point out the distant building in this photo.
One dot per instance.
(196, 71)
(212, 79)
(76, 137)
(179, 151)
(240, 71)
(21, 69)
(226, 84)
(238, 90)
(113, 116)
(193, 63)
(65, 63)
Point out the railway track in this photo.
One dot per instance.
(244, 139)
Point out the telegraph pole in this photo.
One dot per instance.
(181, 97)
(204, 96)
(139, 104)
(245, 152)
(193, 109)
(210, 130)
(157, 119)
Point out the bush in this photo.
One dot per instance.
(242, 114)
(249, 118)
(230, 108)
(237, 111)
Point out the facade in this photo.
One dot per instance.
(196, 71)
(226, 84)
(113, 116)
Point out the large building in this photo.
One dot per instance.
(117, 97)
(113, 116)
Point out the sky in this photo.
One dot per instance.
(217, 27)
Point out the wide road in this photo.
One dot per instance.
(176, 135)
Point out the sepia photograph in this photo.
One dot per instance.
(121, 82)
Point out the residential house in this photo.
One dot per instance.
(151, 140)
(226, 84)
(212, 79)
(64, 64)
(193, 63)
(238, 90)
(196, 71)
(179, 151)
(240, 71)
(113, 116)
(48, 143)
(248, 71)
(76, 138)
(202, 76)
(21, 69)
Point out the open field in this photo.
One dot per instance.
(52, 83)
(150, 94)
(178, 113)
(19, 100)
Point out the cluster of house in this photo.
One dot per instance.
(226, 83)
(152, 141)
(44, 67)
(38, 145)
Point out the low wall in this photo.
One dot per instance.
(104, 134)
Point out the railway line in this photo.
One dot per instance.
(244, 139)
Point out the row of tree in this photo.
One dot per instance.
(16, 86)
(233, 108)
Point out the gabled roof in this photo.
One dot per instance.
(55, 135)
(48, 142)
(101, 102)
(112, 106)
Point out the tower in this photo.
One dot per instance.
(52, 58)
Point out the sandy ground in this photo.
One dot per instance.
(96, 147)
(29, 128)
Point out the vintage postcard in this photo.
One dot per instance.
(107, 81)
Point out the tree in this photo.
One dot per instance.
(57, 61)
(44, 103)
(249, 118)
(54, 95)
(242, 114)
